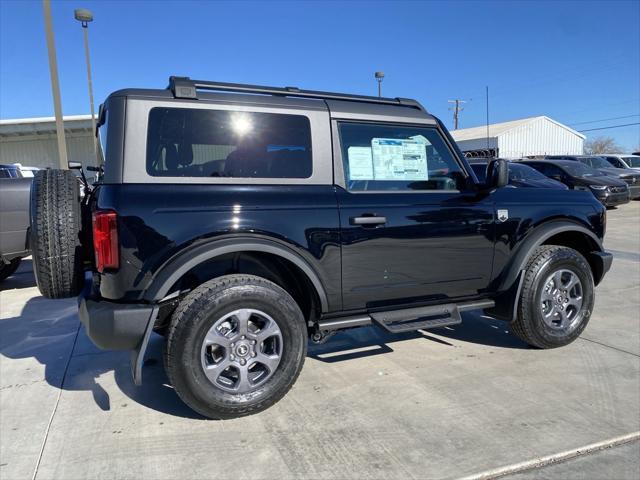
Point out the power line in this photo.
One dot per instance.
(456, 110)
(612, 126)
(604, 119)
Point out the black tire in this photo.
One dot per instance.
(199, 312)
(530, 325)
(55, 230)
(8, 269)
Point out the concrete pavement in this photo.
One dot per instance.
(446, 403)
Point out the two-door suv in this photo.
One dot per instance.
(241, 222)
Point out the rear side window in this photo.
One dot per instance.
(184, 142)
(397, 158)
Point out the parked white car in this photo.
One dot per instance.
(623, 161)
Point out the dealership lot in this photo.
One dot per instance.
(445, 403)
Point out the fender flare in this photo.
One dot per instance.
(510, 283)
(535, 239)
(186, 260)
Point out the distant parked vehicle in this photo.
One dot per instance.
(629, 176)
(14, 223)
(9, 171)
(623, 161)
(16, 170)
(521, 176)
(577, 176)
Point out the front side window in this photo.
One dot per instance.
(616, 162)
(633, 162)
(397, 158)
(183, 142)
(598, 162)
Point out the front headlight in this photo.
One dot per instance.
(598, 187)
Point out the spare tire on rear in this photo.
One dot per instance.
(55, 233)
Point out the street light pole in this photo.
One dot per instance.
(379, 76)
(55, 86)
(84, 17)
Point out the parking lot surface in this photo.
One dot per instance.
(470, 400)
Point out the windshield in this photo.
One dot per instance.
(581, 170)
(523, 172)
(633, 162)
(599, 162)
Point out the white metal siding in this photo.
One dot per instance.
(42, 150)
(477, 144)
(539, 137)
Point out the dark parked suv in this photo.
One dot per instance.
(241, 223)
(628, 175)
(578, 176)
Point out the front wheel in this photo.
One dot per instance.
(556, 299)
(235, 346)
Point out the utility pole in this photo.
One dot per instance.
(456, 111)
(487, 90)
(55, 86)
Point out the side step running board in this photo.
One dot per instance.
(418, 318)
(408, 319)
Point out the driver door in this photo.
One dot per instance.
(411, 230)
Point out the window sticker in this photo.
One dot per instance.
(360, 163)
(399, 159)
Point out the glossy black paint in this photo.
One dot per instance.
(158, 222)
(434, 246)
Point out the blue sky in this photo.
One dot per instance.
(573, 61)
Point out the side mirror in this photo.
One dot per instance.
(497, 173)
(75, 166)
(556, 177)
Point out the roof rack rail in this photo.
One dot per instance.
(184, 87)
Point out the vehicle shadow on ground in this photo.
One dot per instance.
(368, 341)
(22, 278)
(49, 331)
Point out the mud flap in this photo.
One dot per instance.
(137, 355)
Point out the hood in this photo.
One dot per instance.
(619, 172)
(609, 181)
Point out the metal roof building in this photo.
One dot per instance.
(32, 141)
(527, 137)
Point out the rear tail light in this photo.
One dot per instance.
(105, 240)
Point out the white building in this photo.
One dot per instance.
(520, 138)
(33, 142)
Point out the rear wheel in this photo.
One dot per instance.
(8, 269)
(55, 230)
(235, 346)
(557, 298)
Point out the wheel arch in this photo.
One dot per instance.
(181, 264)
(564, 233)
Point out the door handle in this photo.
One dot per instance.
(369, 220)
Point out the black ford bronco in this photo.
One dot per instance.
(242, 221)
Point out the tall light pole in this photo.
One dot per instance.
(379, 76)
(55, 86)
(84, 16)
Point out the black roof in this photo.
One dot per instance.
(184, 89)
